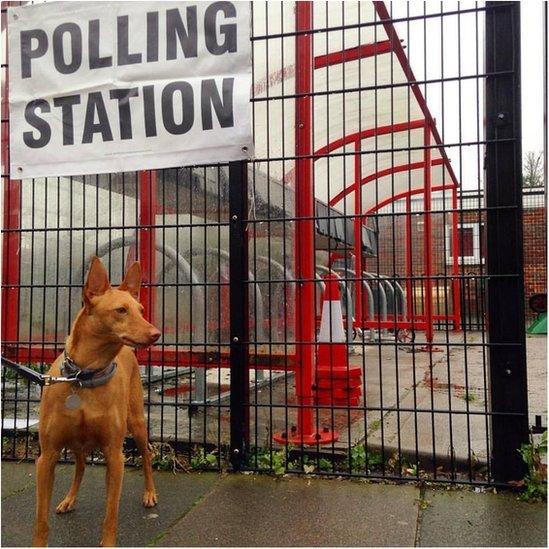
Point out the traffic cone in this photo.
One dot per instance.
(332, 342)
(337, 382)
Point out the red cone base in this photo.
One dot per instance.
(345, 402)
(339, 373)
(338, 386)
(323, 437)
(346, 384)
(339, 392)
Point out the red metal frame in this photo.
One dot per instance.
(358, 223)
(147, 241)
(384, 173)
(166, 356)
(427, 235)
(352, 54)
(12, 220)
(398, 50)
(304, 361)
(368, 133)
(410, 302)
(393, 44)
(410, 193)
(456, 307)
(305, 264)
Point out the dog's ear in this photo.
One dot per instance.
(132, 280)
(97, 282)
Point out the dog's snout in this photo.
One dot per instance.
(154, 335)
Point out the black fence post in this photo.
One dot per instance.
(239, 311)
(505, 289)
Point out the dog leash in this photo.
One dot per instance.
(74, 374)
(35, 377)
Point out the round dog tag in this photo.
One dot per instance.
(72, 402)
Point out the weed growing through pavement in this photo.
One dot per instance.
(203, 460)
(364, 461)
(165, 458)
(535, 481)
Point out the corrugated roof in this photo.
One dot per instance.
(378, 98)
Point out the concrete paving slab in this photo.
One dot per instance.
(137, 526)
(469, 519)
(453, 379)
(246, 511)
(16, 477)
(536, 353)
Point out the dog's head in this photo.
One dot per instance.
(116, 312)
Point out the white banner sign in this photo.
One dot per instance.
(97, 87)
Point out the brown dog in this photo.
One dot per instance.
(84, 418)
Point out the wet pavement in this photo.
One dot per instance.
(209, 509)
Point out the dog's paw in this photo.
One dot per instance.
(67, 505)
(149, 498)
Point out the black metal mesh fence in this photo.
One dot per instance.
(369, 183)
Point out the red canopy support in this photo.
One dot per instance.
(147, 241)
(358, 222)
(11, 248)
(368, 133)
(427, 236)
(384, 173)
(456, 309)
(304, 228)
(409, 258)
(305, 259)
(352, 54)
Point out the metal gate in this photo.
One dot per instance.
(315, 302)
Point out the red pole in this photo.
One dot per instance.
(455, 262)
(358, 238)
(427, 235)
(11, 245)
(409, 259)
(147, 251)
(305, 271)
(305, 231)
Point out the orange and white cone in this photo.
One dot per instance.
(338, 383)
(332, 347)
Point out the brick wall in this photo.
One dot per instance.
(391, 253)
(535, 254)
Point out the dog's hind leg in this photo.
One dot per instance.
(69, 501)
(45, 474)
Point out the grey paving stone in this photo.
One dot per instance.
(137, 526)
(260, 511)
(469, 519)
(16, 477)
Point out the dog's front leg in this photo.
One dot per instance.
(45, 474)
(68, 502)
(115, 474)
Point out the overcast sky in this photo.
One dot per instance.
(453, 46)
(437, 48)
(532, 15)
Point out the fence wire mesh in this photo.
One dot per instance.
(368, 184)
